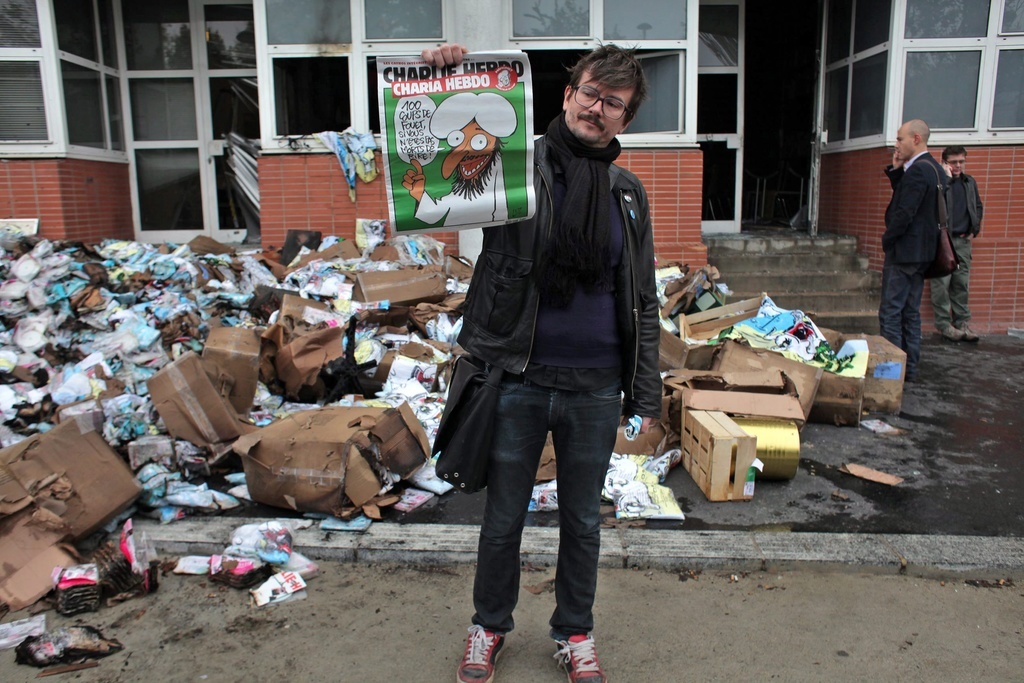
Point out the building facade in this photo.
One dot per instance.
(117, 115)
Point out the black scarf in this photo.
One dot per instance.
(578, 253)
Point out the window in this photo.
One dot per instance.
(1013, 16)
(551, 18)
(947, 18)
(163, 109)
(403, 19)
(1009, 105)
(555, 33)
(942, 88)
(302, 102)
(858, 57)
(299, 22)
(21, 88)
(157, 35)
(89, 74)
(645, 20)
(19, 25)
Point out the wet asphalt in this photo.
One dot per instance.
(960, 456)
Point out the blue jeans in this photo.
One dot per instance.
(583, 426)
(899, 314)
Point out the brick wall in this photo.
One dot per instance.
(73, 199)
(309, 192)
(855, 192)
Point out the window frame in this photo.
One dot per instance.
(990, 46)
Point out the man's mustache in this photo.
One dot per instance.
(591, 118)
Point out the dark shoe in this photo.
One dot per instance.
(482, 650)
(578, 658)
(952, 334)
(968, 335)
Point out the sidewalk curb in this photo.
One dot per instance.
(435, 544)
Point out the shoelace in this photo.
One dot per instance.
(478, 645)
(581, 655)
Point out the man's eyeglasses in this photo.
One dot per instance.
(956, 162)
(586, 96)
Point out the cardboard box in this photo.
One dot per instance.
(839, 400)
(402, 287)
(32, 546)
(883, 381)
(745, 404)
(232, 360)
(320, 460)
(72, 472)
(805, 378)
(190, 405)
(717, 454)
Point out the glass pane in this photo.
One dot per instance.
(717, 103)
(1013, 16)
(661, 110)
(76, 28)
(719, 35)
(403, 19)
(230, 37)
(157, 35)
(21, 91)
(163, 109)
(836, 83)
(719, 181)
(947, 18)
(235, 105)
(169, 193)
(311, 95)
(107, 37)
(840, 18)
(867, 96)
(19, 25)
(550, 18)
(645, 20)
(114, 112)
(872, 23)
(1009, 106)
(291, 22)
(942, 88)
(82, 105)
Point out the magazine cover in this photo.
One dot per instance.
(457, 141)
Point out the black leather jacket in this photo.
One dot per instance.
(500, 312)
(975, 209)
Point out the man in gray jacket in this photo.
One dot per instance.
(565, 303)
(950, 293)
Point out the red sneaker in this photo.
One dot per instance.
(482, 650)
(579, 659)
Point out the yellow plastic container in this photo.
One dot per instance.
(778, 445)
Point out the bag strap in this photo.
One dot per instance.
(940, 199)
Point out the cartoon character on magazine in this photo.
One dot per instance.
(473, 125)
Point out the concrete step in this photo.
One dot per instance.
(849, 280)
(778, 243)
(731, 263)
(816, 301)
(852, 322)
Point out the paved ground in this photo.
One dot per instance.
(960, 508)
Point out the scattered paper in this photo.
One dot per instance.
(881, 427)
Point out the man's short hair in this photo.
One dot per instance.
(613, 67)
(952, 151)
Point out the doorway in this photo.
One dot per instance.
(191, 80)
(781, 74)
(756, 79)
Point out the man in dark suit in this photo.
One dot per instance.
(910, 238)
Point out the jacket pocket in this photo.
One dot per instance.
(496, 301)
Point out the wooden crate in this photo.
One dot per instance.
(706, 324)
(717, 453)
